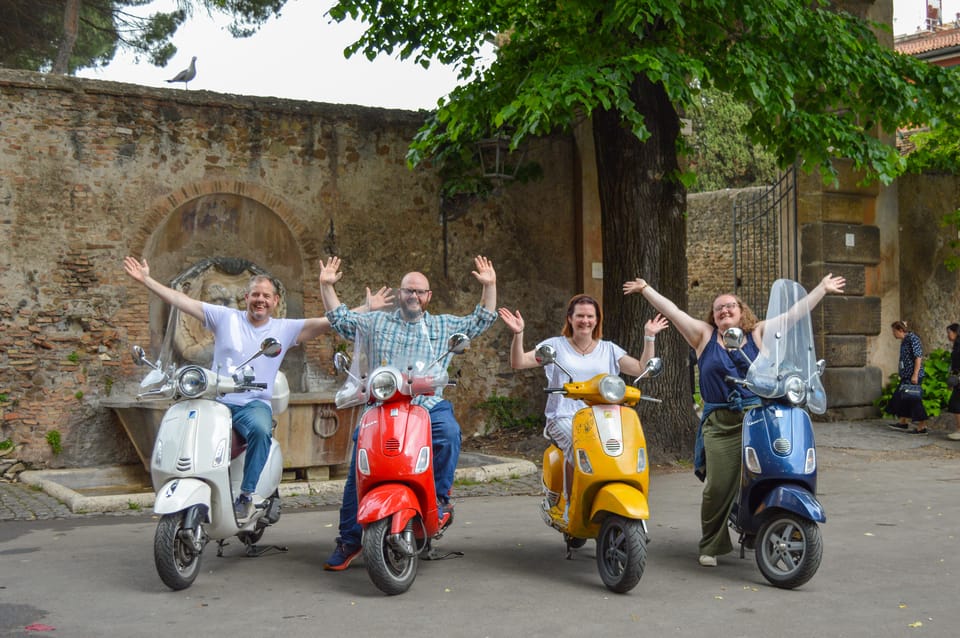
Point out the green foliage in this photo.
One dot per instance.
(73, 357)
(31, 30)
(3, 397)
(6, 444)
(510, 413)
(134, 506)
(78, 395)
(53, 438)
(720, 153)
(107, 385)
(938, 151)
(936, 392)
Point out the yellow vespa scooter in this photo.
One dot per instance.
(608, 491)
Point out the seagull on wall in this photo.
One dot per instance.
(187, 74)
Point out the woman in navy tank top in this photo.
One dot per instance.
(717, 458)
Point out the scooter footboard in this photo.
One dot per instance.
(178, 495)
(794, 499)
(387, 500)
(622, 499)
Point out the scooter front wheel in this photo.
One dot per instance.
(789, 549)
(621, 553)
(177, 561)
(391, 569)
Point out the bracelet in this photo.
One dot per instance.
(517, 334)
(649, 338)
(643, 287)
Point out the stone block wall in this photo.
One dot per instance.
(92, 171)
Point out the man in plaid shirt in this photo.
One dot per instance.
(409, 328)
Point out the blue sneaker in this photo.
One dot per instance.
(342, 556)
(243, 507)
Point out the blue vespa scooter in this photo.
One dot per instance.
(777, 512)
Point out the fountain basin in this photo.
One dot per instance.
(313, 434)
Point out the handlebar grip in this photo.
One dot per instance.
(261, 386)
(554, 390)
(651, 399)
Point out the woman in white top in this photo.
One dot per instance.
(583, 352)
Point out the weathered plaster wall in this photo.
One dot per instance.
(92, 171)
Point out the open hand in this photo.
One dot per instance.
(330, 271)
(634, 287)
(513, 321)
(484, 272)
(381, 299)
(654, 326)
(139, 270)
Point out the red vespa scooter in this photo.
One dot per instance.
(395, 486)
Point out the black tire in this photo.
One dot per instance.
(391, 571)
(177, 562)
(621, 553)
(789, 549)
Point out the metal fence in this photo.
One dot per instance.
(765, 241)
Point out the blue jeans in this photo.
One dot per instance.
(446, 453)
(254, 422)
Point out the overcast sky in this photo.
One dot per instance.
(300, 56)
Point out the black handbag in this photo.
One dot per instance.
(911, 390)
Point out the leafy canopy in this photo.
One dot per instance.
(31, 31)
(817, 82)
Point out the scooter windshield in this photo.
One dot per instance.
(407, 348)
(787, 360)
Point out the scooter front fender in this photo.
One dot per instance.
(621, 499)
(391, 500)
(793, 498)
(179, 494)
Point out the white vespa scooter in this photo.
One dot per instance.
(197, 465)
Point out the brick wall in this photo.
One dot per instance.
(91, 171)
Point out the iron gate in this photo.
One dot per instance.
(765, 246)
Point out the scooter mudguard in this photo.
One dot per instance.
(622, 499)
(388, 500)
(179, 494)
(793, 499)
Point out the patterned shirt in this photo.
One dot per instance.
(910, 350)
(395, 339)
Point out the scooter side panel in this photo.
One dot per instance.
(794, 499)
(621, 499)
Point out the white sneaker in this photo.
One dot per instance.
(708, 561)
(954, 436)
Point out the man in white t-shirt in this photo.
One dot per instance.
(238, 335)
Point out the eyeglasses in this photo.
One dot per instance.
(726, 306)
(420, 292)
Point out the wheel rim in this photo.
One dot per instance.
(621, 553)
(784, 547)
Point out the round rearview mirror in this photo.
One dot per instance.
(654, 367)
(341, 362)
(139, 356)
(270, 347)
(545, 354)
(732, 338)
(458, 343)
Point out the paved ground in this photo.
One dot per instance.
(865, 439)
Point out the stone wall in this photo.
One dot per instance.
(92, 171)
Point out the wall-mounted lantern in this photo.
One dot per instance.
(497, 161)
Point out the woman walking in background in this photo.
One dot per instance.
(904, 406)
(953, 406)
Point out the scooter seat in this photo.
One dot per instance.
(237, 445)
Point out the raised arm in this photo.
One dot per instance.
(315, 326)
(829, 284)
(140, 271)
(329, 275)
(634, 367)
(696, 332)
(519, 359)
(487, 277)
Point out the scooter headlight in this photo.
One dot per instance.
(612, 389)
(795, 390)
(192, 382)
(383, 385)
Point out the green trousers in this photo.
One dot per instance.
(722, 443)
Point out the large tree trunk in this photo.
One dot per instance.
(71, 26)
(644, 235)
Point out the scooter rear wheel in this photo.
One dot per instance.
(178, 563)
(621, 553)
(788, 550)
(390, 569)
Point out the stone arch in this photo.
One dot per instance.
(224, 219)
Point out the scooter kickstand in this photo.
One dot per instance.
(255, 551)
